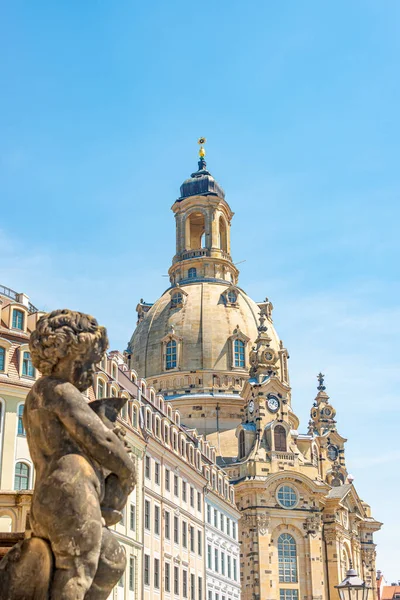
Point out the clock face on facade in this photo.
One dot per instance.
(272, 403)
(251, 407)
(268, 355)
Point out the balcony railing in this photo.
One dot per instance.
(283, 456)
(5, 291)
(195, 253)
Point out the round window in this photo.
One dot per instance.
(287, 496)
(232, 296)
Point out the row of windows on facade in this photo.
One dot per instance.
(167, 483)
(223, 563)
(131, 573)
(28, 370)
(180, 582)
(283, 595)
(223, 522)
(171, 354)
(187, 533)
(217, 483)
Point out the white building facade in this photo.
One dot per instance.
(222, 548)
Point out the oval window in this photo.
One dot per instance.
(287, 496)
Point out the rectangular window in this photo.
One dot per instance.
(239, 353)
(215, 517)
(132, 517)
(176, 530)
(199, 588)
(222, 563)
(21, 428)
(157, 520)
(222, 522)
(208, 513)
(199, 501)
(27, 367)
(192, 497)
(191, 539)
(184, 534)
(167, 479)
(147, 472)
(229, 566)
(209, 565)
(2, 359)
(288, 594)
(147, 515)
(176, 581)
(167, 577)
(209, 595)
(176, 485)
(131, 573)
(171, 355)
(228, 526)
(157, 573)
(146, 569)
(235, 569)
(122, 521)
(184, 496)
(234, 530)
(167, 531)
(121, 581)
(18, 319)
(184, 583)
(157, 473)
(192, 586)
(199, 543)
(216, 566)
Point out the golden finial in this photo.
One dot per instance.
(202, 141)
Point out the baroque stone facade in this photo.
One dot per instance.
(215, 354)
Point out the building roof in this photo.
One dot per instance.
(201, 183)
(390, 591)
(340, 491)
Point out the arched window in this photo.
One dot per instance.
(21, 428)
(194, 231)
(280, 438)
(222, 235)
(18, 319)
(287, 558)
(100, 389)
(2, 359)
(176, 299)
(192, 273)
(239, 353)
(27, 366)
(242, 445)
(171, 355)
(21, 478)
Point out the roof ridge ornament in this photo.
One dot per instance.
(321, 386)
(202, 163)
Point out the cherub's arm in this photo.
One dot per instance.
(87, 429)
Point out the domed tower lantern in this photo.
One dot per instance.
(203, 222)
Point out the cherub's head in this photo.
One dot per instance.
(68, 344)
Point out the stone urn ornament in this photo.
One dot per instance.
(84, 471)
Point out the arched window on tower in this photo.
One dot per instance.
(170, 355)
(194, 230)
(222, 235)
(287, 559)
(242, 445)
(192, 273)
(239, 353)
(280, 438)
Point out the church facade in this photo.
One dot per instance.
(215, 355)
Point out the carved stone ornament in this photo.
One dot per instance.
(82, 481)
(312, 524)
(259, 521)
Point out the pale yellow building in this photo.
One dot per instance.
(215, 355)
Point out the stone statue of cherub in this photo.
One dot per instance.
(84, 472)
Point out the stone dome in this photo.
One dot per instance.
(204, 325)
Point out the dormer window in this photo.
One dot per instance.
(192, 273)
(239, 353)
(18, 319)
(28, 370)
(232, 296)
(176, 300)
(170, 355)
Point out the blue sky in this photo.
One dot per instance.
(100, 110)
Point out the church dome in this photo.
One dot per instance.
(201, 183)
(205, 325)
